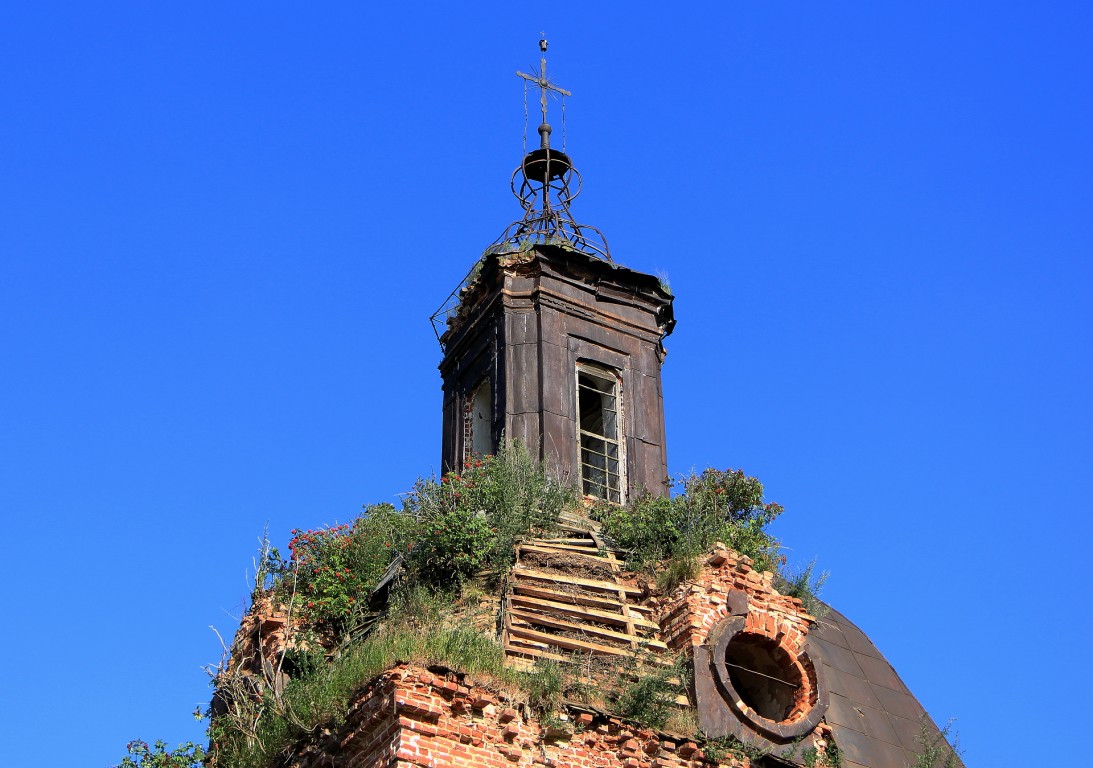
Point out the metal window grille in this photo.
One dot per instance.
(598, 434)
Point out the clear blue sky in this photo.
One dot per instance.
(223, 228)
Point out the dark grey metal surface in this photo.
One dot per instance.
(876, 721)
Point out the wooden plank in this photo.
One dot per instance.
(572, 528)
(550, 621)
(628, 625)
(515, 646)
(570, 643)
(522, 571)
(534, 590)
(549, 543)
(543, 550)
(577, 610)
(588, 522)
(573, 644)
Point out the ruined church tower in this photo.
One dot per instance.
(722, 662)
(549, 342)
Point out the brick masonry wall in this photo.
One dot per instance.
(687, 615)
(413, 717)
(410, 717)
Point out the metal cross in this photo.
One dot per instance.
(542, 81)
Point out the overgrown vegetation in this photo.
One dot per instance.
(449, 531)
(456, 538)
(716, 505)
(188, 755)
(250, 735)
(938, 748)
(332, 568)
(720, 749)
(802, 585)
(830, 757)
(650, 699)
(471, 520)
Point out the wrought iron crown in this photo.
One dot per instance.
(546, 183)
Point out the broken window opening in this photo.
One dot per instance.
(766, 678)
(479, 428)
(598, 433)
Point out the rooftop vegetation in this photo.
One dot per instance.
(456, 539)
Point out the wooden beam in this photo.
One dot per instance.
(569, 643)
(549, 543)
(610, 563)
(534, 590)
(581, 611)
(587, 523)
(550, 621)
(522, 571)
(573, 644)
(516, 646)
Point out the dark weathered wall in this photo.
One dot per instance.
(527, 323)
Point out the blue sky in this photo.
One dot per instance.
(223, 230)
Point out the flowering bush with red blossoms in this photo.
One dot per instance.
(448, 531)
(332, 570)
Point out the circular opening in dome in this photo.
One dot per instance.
(766, 677)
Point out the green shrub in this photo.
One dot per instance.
(332, 569)
(647, 529)
(829, 758)
(650, 699)
(471, 520)
(454, 543)
(188, 755)
(715, 505)
(804, 587)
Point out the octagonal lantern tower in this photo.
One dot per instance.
(549, 342)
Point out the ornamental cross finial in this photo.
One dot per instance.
(540, 79)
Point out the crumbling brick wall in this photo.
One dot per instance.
(728, 586)
(732, 615)
(413, 717)
(410, 717)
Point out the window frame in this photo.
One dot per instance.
(473, 432)
(601, 489)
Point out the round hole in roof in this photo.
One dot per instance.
(765, 677)
(777, 692)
